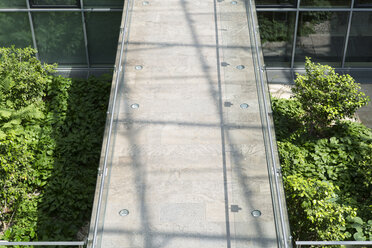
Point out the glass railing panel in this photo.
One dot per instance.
(99, 206)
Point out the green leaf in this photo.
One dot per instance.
(359, 236)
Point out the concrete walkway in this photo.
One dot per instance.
(188, 162)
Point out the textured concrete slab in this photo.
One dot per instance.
(189, 164)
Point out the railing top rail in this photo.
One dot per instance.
(333, 242)
(44, 243)
(260, 69)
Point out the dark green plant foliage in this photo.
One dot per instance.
(327, 179)
(49, 151)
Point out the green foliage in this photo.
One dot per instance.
(328, 179)
(50, 142)
(287, 118)
(319, 213)
(23, 79)
(325, 96)
(78, 123)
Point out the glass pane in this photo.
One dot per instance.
(321, 36)
(276, 32)
(328, 3)
(275, 2)
(13, 4)
(35, 3)
(59, 37)
(359, 52)
(103, 32)
(15, 30)
(363, 3)
(107, 3)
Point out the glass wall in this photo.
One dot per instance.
(72, 33)
(9, 35)
(277, 37)
(85, 34)
(334, 32)
(359, 50)
(321, 35)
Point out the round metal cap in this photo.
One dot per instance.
(134, 106)
(124, 212)
(244, 105)
(256, 213)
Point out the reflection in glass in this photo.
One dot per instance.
(15, 30)
(363, 3)
(13, 4)
(59, 36)
(275, 2)
(276, 32)
(321, 36)
(106, 3)
(325, 3)
(359, 50)
(103, 32)
(54, 3)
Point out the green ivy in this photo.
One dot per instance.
(51, 130)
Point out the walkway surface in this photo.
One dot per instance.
(188, 159)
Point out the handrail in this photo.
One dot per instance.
(300, 243)
(112, 112)
(266, 113)
(44, 243)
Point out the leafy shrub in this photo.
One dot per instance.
(327, 179)
(50, 142)
(316, 211)
(23, 78)
(287, 117)
(325, 96)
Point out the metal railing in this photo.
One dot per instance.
(282, 225)
(326, 243)
(97, 208)
(80, 244)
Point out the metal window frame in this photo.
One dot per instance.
(351, 9)
(85, 36)
(34, 5)
(295, 34)
(346, 43)
(277, 5)
(32, 28)
(30, 9)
